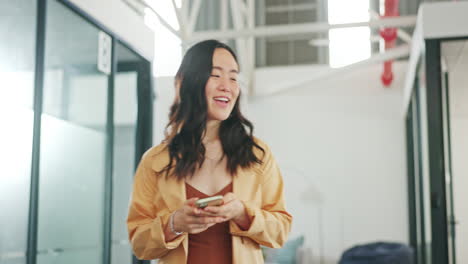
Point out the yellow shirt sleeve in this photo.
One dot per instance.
(271, 223)
(146, 222)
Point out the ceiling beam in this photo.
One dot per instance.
(192, 20)
(266, 31)
(403, 35)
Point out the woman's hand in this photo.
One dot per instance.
(232, 209)
(192, 220)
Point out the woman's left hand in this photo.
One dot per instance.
(232, 209)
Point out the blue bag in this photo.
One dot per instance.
(378, 253)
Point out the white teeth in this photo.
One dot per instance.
(221, 99)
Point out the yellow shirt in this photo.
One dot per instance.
(156, 196)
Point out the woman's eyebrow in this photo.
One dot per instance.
(221, 69)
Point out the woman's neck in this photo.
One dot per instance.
(212, 131)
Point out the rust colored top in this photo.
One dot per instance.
(214, 245)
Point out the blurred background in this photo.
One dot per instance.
(364, 104)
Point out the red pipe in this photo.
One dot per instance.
(389, 35)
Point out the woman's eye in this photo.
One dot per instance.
(234, 79)
(214, 75)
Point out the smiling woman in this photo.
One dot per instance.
(209, 150)
(222, 88)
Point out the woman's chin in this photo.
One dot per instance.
(219, 117)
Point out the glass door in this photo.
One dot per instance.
(125, 141)
(423, 161)
(73, 142)
(448, 170)
(422, 236)
(132, 137)
(17, 60)
(437, 125)
(68, 167)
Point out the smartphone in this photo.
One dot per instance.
(209, 201)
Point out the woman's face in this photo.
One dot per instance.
(222, 88)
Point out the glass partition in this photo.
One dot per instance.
(70, 215)
(17, 60)
(125, 132)
(424, 176)
(419, 181)
(438, 146)
(73, 142)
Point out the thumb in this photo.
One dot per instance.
(191, 201)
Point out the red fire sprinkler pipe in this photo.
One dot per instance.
(390, 36)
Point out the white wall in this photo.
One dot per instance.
(341, 146)
(459, 130)
(458, 91)
(343, 139)
(164, 89)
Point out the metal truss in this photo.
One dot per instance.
(244, 31)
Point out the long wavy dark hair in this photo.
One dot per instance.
(188, 117)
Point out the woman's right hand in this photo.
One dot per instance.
(193, 220)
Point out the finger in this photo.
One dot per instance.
(191, 201)
(195, 220)
(192, 211)
(200, 220)
(197, 226)
(226, 211)
(222, 209)
(222, 219)
(213, 210)
(199, 229)
(229, 197)
(203, 212)
(196, 230)
(204, 220)
(210, 225)
(202, 227)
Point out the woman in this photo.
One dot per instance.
(207, 151)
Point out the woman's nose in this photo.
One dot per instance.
(225, 85)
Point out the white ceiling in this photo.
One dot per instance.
(454, 53)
